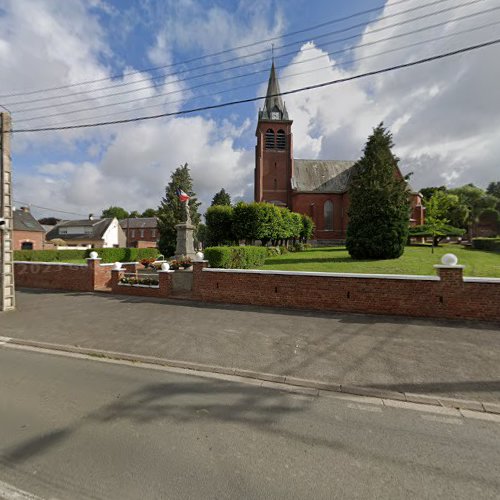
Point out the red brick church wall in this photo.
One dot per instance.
(313, 205)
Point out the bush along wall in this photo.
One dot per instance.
(107, 255)
(236, 257)
(490, 244)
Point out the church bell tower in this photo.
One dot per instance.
(274, 150)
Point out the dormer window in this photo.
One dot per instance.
(269, 139)
(281, 139)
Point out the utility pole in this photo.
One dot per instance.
(7, 290)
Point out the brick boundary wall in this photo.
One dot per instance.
(89, 277)
(447, 295)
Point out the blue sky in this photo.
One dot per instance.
(444, 116)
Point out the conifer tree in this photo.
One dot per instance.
(379, 202)
(171, 210)
(221, 198)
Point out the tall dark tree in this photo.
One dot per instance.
(118, 212)
(134, 214)
(171, 210)
(221, 198)
(379, 209)
(493, 189)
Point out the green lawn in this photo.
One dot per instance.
(415, 260)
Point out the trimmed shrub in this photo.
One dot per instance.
(219, 219)
(236, 257)
(49, 255)
(489, 244)
(106, 254)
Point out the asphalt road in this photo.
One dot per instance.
(85, 429)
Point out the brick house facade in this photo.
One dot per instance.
(28, 233)
(318, 188)
(141, 232)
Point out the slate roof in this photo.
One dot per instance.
(98, 228)
(322, 176)
(139, 223)
(24, 221)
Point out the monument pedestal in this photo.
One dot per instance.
(185, 241)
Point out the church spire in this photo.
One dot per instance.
(274, 108)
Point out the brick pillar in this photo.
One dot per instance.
(165, 278)
(451, 275)
(198, 266)
(93, 268)
(116, 274)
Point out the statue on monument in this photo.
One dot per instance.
(185, 242)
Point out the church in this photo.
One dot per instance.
(318, 188)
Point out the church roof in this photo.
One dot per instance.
(322, 176)
(273, 102)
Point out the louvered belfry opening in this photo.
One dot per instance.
(270, 142)
(281, 139)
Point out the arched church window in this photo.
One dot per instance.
(281, 140)
(269, 139)
(328, 215)
(275, 184)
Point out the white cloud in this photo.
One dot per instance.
(445, 116)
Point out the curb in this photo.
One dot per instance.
(304, 386)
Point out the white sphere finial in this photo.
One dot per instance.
(199, 256)
(449, 259)
(93, 255)
(165, 266)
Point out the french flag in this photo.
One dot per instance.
(182, 195)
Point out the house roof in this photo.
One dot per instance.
(322, 176)
(139, 223)
(24, 221)
(98, 228)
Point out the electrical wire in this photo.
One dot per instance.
(256, 84)
(154, 78)
(198, 58)
(244, 75)
(260, 98)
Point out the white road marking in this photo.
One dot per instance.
(443, 420)
(9, 492)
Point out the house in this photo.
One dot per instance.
(141, 232)
(88, 233)
(28, 233)
(318, 188)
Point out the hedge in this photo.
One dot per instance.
(236, 257)
(106, 254)
(489, 244)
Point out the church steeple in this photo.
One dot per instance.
(274, 107)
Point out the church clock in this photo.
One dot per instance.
(275, 115)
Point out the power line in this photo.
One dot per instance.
(260, 98)
(204, 85)
(46, 208)
(255, 84)
(154, 78)
(214, 54)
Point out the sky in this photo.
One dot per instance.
(68, 62)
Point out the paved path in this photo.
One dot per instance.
(78, 429)
(453, 359)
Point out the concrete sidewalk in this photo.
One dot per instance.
(437, 358)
